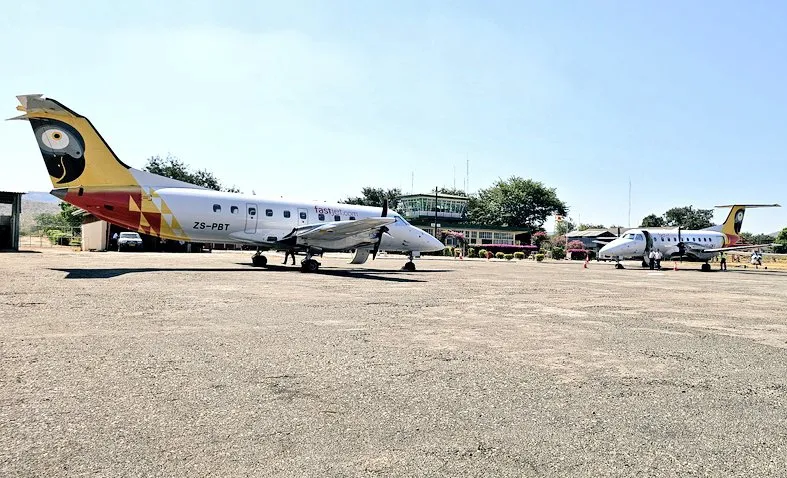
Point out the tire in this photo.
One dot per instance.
(310, 266)
(259, 261)
(409, 267)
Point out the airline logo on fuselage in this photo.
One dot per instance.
(62, 147)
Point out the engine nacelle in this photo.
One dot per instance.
(361, 255)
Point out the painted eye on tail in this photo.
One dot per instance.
(55, 138)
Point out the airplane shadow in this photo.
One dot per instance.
(381, 275)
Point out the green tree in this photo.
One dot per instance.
(689, 218)
(564, 226)
(585, 227)
(174, 168)
(762, 239)
(746, 237)
(452, 191)
(515, 202)
(67, 215)
(652, 220)
(375, 197)
(781, 240)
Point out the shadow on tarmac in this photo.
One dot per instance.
(367, 274)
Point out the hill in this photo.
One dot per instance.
(31, 209)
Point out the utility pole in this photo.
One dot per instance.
(435, 213)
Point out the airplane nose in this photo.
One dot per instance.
(433, 244)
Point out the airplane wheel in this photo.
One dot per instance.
(259, 261)
(618, 266)
(310, 265)
(409, 267)
(706, 267)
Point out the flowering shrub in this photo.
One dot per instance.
(575, 245)
(519, 255)
(539, 257)
(558, 253)
(482, 253)
(500, 255)
(471, 252)
(539, 237)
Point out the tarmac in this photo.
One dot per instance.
(143, 364)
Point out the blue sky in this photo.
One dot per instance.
(318, 99)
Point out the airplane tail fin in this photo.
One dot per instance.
(731, 227)
(74, 152)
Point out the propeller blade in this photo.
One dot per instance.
(376, 249)
(385, 208)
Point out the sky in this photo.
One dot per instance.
(315, 100)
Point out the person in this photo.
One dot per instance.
(652, 257)
(723, 261)
(658, 259)
(114, 242)
(289, 252)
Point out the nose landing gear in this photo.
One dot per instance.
(410, 265)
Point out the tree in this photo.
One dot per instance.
(452, 191)
(64, 220)
(762, 239)
(689, 218)
(781, 240)
(746, 237)
(575, 244)
(515, 202)
(564, 226)
(375, 197)
(174, 168)
(652, 220)
(585, 227)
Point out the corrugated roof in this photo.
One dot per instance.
(590, 233)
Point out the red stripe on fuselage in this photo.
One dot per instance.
(112, 205)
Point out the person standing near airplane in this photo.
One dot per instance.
(658, 259)
(723, 261)
(652, 257)
(289, 252)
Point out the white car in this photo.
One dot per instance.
(129, 241)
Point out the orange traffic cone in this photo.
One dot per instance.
(585, 266)
(675, 267)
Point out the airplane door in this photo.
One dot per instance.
(302, 215)
(251, 218)
(648, 242)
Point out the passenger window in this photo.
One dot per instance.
(234, 209)
(321, 217)
(216, 208)
(269, 212)
(337, 218)
(352, 218)
(286, 213)
(302, 215)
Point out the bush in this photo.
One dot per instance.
(58, 237)
(448, 251)
(519, 255)
(539, 257)
(592, 255)
(482, 253)
(471, 252)
(508, 257)
(500, 255)
(558, 253)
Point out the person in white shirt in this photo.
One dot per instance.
(652, 257)
(658, 259)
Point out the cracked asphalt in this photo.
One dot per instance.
(200, 365)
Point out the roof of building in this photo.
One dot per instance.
(8, 196)
(591, 233)
(431, 195)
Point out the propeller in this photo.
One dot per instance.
(383, 230)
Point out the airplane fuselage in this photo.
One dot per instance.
(636, 243)
(202, 215)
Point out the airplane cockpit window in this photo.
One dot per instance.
(302, 215)
(234, 209)
(269, 212)
(640, 237)
(321, 217)
(402, 220)
(286, 213)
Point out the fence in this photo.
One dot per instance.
(51, 237)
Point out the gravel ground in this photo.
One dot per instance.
(198, 364)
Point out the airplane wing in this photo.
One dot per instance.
(339, 230)
(739, 248)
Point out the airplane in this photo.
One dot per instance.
(86, 172)
(694, 245)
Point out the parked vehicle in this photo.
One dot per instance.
(129, 241)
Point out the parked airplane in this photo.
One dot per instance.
(86, 173)
(694, 245)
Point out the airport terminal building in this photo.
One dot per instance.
(451, 215)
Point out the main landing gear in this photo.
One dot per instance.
(618, 265)
(410, 265)
(258, 260)
(309, 264)
(705, 267)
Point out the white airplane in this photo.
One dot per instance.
(86, 172)
(694, 245)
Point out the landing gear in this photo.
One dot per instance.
(618, 265)
(706, 267)
(309, 264)
(258, 260)
(410, 265)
